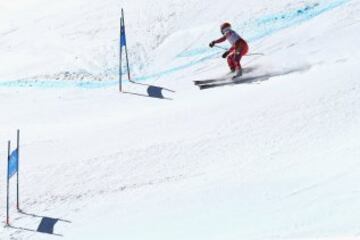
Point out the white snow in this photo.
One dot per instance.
(275, 158)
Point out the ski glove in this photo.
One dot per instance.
(212, 44)
(225, 54)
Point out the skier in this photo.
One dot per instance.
(239, 48)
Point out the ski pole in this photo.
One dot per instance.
(224, 48)
(255, 54)
(249, 55)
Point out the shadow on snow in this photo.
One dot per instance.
(152, 91)
(46, 225)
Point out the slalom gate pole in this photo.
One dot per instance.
(120, 55)
(7, 186)
(17, 173)
(126, 51)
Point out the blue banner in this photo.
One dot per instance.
(122, 36)
(13, 163)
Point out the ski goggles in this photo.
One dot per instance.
(225, 30)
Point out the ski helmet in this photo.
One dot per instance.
(225, 27)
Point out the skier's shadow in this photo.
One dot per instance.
(152, 91)
(46, 225)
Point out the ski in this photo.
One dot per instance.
(228, 81)
(201, 82)
(213, 80)
(227, 77)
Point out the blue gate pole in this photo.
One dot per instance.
(126, 51)
(7, 188)
(120, 57)
(17, 174)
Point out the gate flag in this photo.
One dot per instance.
(123, 35)
(13, 163)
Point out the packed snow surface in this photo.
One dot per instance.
(276, 156)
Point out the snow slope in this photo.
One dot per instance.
(277, 157)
